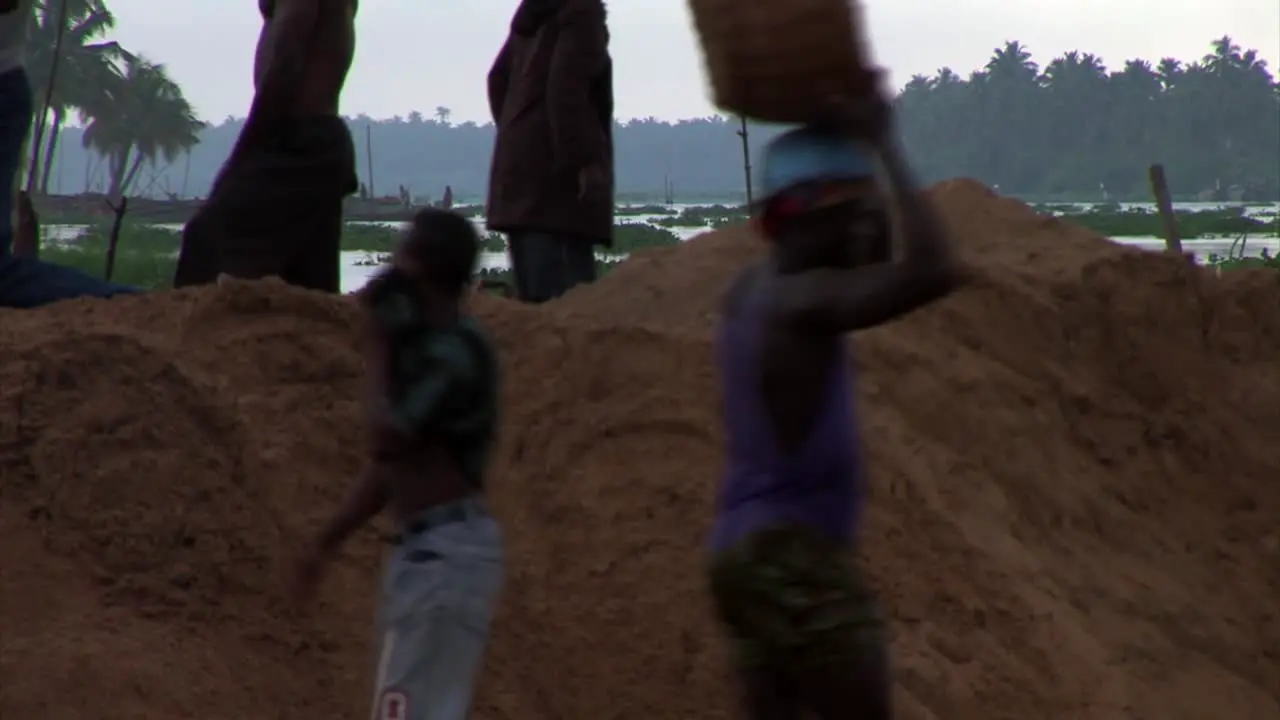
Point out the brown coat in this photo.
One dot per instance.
(551, 95)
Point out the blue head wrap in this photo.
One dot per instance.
(812, 155)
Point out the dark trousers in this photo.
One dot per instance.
(24, 282)
(548, 265)
(806, 633)
(278, 213)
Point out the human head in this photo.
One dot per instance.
(822, 203)
(440, 249)
(436, 256)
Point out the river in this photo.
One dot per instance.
(356, 269)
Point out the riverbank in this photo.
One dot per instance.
(93, 209)
(146, 255)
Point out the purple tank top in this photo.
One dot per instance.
(817, 486)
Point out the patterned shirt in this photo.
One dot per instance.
(442, 383)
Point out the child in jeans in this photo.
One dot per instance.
(433, 421)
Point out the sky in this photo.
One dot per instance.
(423, 54)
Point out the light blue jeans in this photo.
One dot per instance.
(439, 592)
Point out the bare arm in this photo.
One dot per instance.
(367, 498)
(288, 38)
(580, 54)
(843, 300)
(499, 78)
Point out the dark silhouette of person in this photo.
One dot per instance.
(276, 207)
(551, 183)
(807, 634)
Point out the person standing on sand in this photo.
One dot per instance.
(551, 182)
(26, 282)
(434, 419)
(276, 206)
(804, 626)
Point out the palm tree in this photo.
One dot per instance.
(143, 116)
(1224, 58)
(443, 114)
(84, 65)
(1012, 63)
(1170, 70)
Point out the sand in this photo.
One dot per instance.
(1075, 487)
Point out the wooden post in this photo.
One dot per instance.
(368, 150)
(1164, 203)
(746, 157)
(113, 240)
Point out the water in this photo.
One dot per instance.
(1249, 210)
(357, 270)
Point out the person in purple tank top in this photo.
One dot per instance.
(806, 632)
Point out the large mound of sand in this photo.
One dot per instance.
(1076, 482)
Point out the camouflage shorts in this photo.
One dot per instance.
(792, 597)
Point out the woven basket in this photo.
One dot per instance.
(781, 60)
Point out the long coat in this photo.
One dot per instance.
(551, 95)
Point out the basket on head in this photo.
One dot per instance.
(782, 60)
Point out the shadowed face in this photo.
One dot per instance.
(406, 274)
(830, 224)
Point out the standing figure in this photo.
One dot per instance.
(551, 184)
(26, 282)
(433, 422)
(806, 633)
(276, 206)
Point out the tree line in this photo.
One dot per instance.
(1073, 129)
(1076, 128)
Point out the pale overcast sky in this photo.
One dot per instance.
(418, 54)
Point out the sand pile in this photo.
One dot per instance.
(1073, 512)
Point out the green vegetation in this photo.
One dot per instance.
(496, 279)
(640, 210)
(146, 255)
(1236, 258)
(1265, 260)
(1112, 221)
(628, 237)
(705, 216)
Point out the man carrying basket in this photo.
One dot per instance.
(806, 633)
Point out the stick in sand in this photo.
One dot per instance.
(113, 240)
(1160, 188)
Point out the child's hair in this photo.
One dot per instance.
(445, 245)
